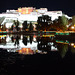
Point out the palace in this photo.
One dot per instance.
(27, 14)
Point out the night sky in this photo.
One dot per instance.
(67, 6)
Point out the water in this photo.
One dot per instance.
(35, 54)
(32, 44)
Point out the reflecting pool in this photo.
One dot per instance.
(35, 54)
(32, 44)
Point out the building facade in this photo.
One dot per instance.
(28, 14)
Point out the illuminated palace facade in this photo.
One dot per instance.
(28, 14)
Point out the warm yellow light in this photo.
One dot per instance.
(27, 11)
(19, 10)
(72, 27)
(20, 51)
(23, 12)
(72, 44)
(34, 39)
(27, 51)
(67, 26)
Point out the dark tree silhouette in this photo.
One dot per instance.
(25, 25)
(24, 40)
(43, 22)
(12, 39)
(4, 27)
(30, 27)
(43, 45)
(12, 27)
(31, 37)
(16, 25)
(62, 22)
(17, 40)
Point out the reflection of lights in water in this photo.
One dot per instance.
(45, 45)
(8, 50)
(34, 26)
(28, 38)
(25, 51)
(8, 39)
(39, 42)
(21, 37)
(34, 39)
(20, 51)
(72, 44)
(40, 52)
(53, 48)
(42, 45)
(2, 36)
(50, 43)
(21, 44)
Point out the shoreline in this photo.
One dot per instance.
(55, 33)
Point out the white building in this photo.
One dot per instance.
(29, 14)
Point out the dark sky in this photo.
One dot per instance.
(67, 6)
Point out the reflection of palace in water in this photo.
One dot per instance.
(25, 44)
(25, 51)
(3, 39)
(46, 44)
(21, 41)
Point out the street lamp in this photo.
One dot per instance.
(72, 27)
(67, 26)
(72, 44)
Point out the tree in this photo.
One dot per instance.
(63, 48)
(37, 27)
(25, 25)
(54, 26)
(62, 22)
(4, 27)
(43, 22)
(12, 27)
(1, 20)
(30, 27)
(17, 40)
(24, 40)
(16, 25)
(31, 38)
(73, 20)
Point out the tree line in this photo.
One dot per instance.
(25, 26)
(60, 24)
(44, 22)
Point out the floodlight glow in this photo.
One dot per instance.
(34, 39)
(8, 25)
(72, 44)
(72, 27)
(67, 26)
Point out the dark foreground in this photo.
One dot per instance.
(49, 64)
